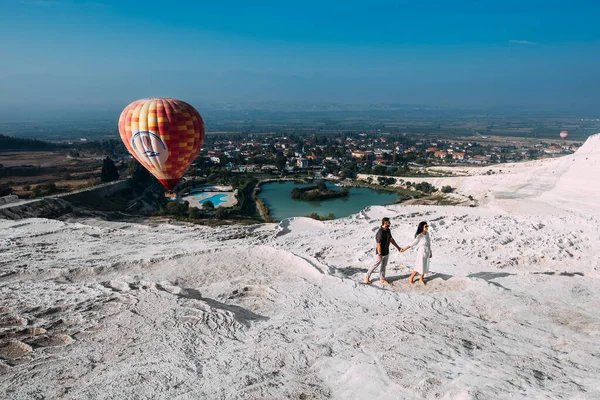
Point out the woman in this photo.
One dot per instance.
(423, 245)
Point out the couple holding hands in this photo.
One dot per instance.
(384, 238)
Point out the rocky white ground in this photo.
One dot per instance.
(115, 310)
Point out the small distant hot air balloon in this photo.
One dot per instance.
(164, 135)
(564, 134)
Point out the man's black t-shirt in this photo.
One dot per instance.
(384, 236)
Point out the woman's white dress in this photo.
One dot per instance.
(422, 244)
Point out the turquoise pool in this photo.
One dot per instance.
(216, 199)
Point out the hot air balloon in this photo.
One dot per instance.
(564, 134)
(164, 135)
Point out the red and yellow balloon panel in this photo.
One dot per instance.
(164, 135)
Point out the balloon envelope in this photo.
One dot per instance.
(564, 134)
(164, 135)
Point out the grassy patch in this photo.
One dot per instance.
(318, 217)
(438, 200)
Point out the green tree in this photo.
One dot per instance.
(173, 208)
(5, 190)
(208, 205)
(138, 175)
(533, 154)
(178, 209)
(386, 181)
(239, 159)
(379, 170)
(347, 173)
(280, 161)
(109, 171)
(49, 187)
(195, 213)
(212, 178)
(225, 175)
(37, 191)
(425, 187)
(221, 213)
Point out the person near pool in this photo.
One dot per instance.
(383, 239)
(423, 245)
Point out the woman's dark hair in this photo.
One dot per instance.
(420, 228)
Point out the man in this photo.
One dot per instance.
(383, 239)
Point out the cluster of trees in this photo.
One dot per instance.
(45, 189)
(402, 170)
(383, 170)
(9, 143)
(214, 174)
(424, 187)
(184, 210)
(318, 192)
(385, 181)
(112, 147)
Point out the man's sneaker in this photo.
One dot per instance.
(367, 281)
(384, 282)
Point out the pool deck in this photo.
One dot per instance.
(212, 188)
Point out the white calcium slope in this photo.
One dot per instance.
(578, 187)
(102, 310)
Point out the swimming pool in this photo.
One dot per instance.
(215, 199)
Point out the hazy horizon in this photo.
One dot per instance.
(295, 110)
(73, 55)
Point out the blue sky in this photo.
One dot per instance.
(104, 54)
